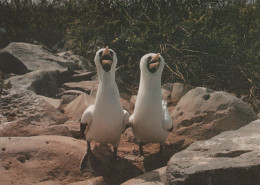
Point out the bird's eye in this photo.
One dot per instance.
(100, 54)
(149, 59)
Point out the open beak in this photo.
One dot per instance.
(154, 63)
(106, 60)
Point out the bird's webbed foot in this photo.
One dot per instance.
(85, 163)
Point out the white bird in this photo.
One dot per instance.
(151, 121)
(106, 119)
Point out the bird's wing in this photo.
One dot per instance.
(126, 120)
(85, 120)
(86, 117)
(131, 120)
(167, 121)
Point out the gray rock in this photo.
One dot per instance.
(76, 59)
(25, 107)
(35, 57)
(10, 64)
(68, 96)
(56, 103)
(153, 177)
(203, 113)
(178, 91)
(85, 76)
(44, 83)
(84, 86)
(233, 157)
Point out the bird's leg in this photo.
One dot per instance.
(161, 148)
(85, 164)
(141, 149)
(115, 153)
(89, 148)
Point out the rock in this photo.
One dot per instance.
(86, 76)
(203, 113)
(68, 96)
(27, 108)
(133, 99)
(35, 57)
(84, 86)
(75, 109)
(153, 177)
(113, 171)
(92, 181)
(166, 95)
(44, 83)
(127, 105)
(233, 157)
(10, 64)
(258, 115)
(74, 128)
(56, 103)
(14, 129)
(76, 59)
(178, 91)
(31, 160)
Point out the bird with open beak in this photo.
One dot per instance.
(105, 120)
(151, 121)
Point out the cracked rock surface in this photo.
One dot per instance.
(233, 157)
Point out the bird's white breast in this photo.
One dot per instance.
(148, 117)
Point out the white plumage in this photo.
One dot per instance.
(151, 121)
(106, 119)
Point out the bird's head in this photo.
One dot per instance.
(106, 59)
(152, 63)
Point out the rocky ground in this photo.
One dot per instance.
(40, 142)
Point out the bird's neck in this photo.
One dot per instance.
(150, 83)
(106, 78)
(107, 88)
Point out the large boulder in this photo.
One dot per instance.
(25, 107)
(233, 157)
(174, 92)
(75, 109)
(157, 176)
(84, 86)
(35, 57)
(31, 160)
(10, 64)
(203, 113)
(92, 181)
(14, 129)
(44, 83)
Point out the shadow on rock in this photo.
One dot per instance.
(158, 160)
(114, 171)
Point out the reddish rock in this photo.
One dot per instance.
(30, 160)
(75, 109)
(203, 113)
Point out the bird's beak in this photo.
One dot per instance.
(106, 60)
(106, 51)
(154, 63)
